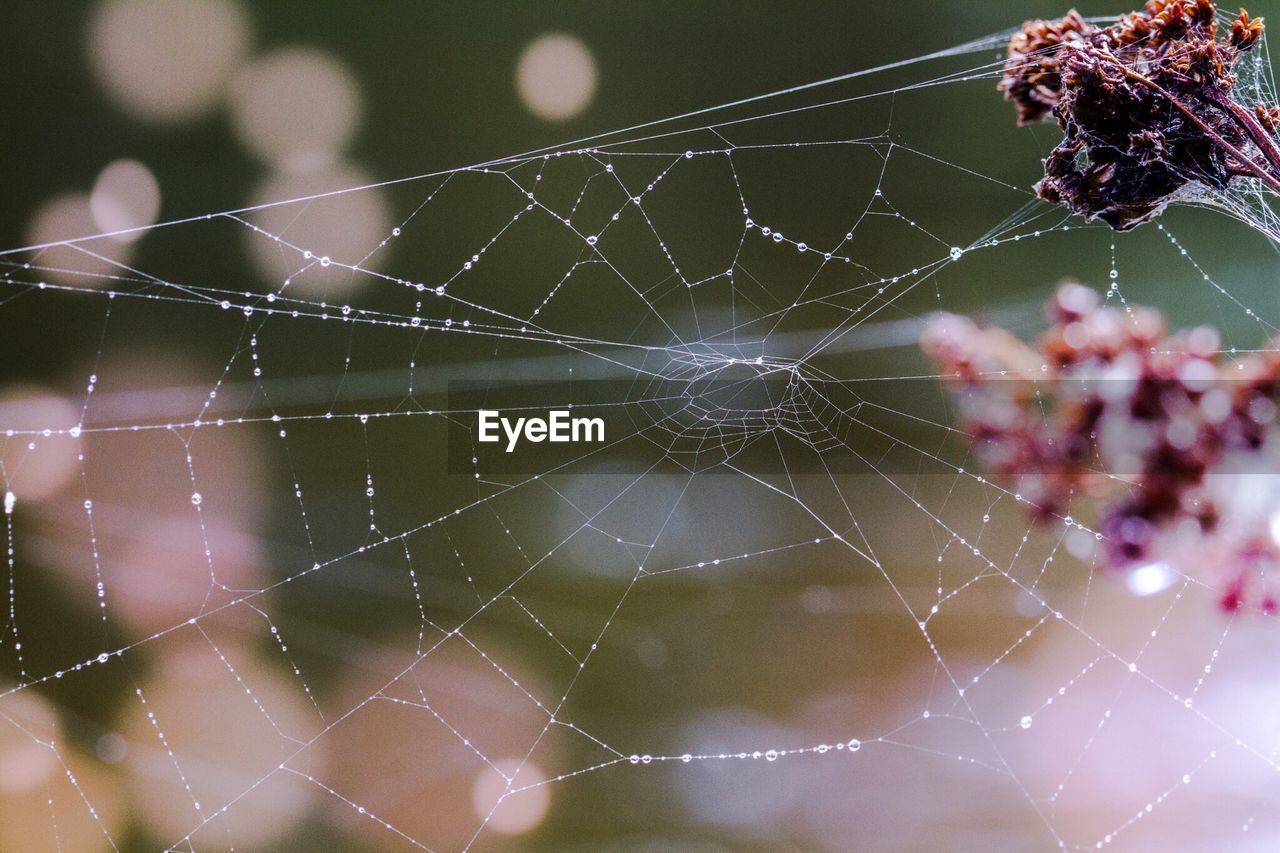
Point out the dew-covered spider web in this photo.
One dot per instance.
(282, 597)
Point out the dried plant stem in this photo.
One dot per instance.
(1261, 136)
(1251, 166)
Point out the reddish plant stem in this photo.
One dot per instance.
(1261, 137)
(1262, 174)
(1245, 120)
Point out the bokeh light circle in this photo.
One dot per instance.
(167, 62)
(556, 77)
(347, 228)
(125, 196)
(84, 263)
(297, 108)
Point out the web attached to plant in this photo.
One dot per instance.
(803, 619)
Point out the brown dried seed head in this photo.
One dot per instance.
(1268, 117)
(1202, 12)
(1144, 105)
(1245, 31)
(1032, 77)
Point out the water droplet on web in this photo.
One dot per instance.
(1025, 722)
(956, 253)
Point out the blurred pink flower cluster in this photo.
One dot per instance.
(1174, 449)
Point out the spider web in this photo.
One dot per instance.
(802, 620)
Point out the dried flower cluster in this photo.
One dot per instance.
(1032, 74)
(1145, 106)
(1178, 450)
